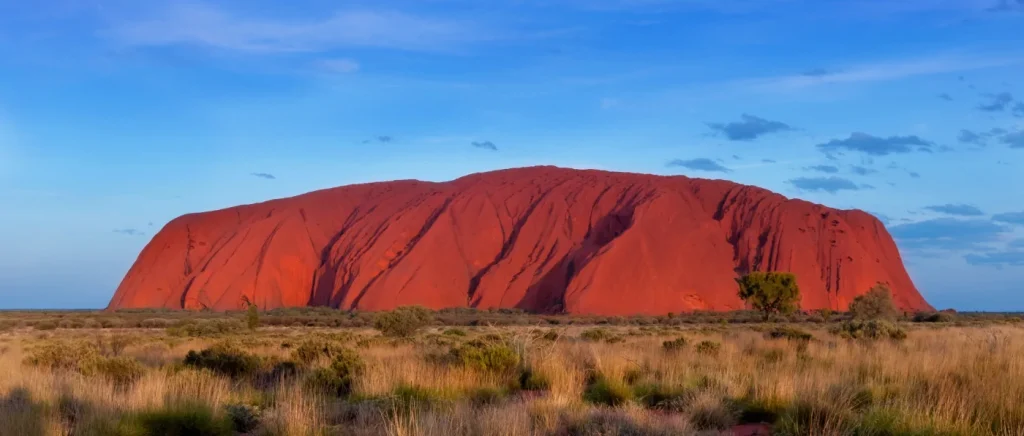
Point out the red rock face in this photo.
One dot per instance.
(541, 239)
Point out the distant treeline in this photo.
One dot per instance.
(328, 317)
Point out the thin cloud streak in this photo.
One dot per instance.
(206, 25)
(880, 71)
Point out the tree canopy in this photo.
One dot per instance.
(876, 303)
(770, 292)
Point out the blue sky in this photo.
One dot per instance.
(117, 116)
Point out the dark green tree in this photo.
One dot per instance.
(875, 304)
(825, 314)
(252, 317)
(770, 292)
(403, 321)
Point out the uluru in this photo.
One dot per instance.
(541, 239)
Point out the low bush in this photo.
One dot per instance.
(339, 378)
(113, 345)
(876, 304)
(660, 397)
(64, 356)
(772, 355)
(244, 418)
(607, 391)
(311, 350)
(595, 335)
(711, 414)
(185, 419)
(454, 332)
(87, 360)
(325, 381)
(121, 371)
(45, 325)
(403, 321)
(677, 344)
(789, 333)
(754, 411)
(709, 348)
(204, 328)
(282, 369)
(615, 422)
(530, 380)
(934, 317)
(404, 397)
(869, 330)
(154, 323)
(224, 359)
(487, 356)
(483, 396)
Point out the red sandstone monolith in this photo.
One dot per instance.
(542, 239)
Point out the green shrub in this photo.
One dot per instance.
(712, 416)
(486, 356)
(244, 418)
(677, 344)
(403, 321)
(121, 371)
(934, 317)
(595, 334)
(454, 332)
(339, 378)
(773, 355)
(148, 323)
(869, 330)
(311, 350)
(282, 369)
(86, 360)
(806, 417)
(709, 348)
(790, 333)
(606, 391)
(64, 356)
(347, 364)
(204, 328)
(405, 397)
(483, 396)
(224, 359)
(659, 397)
(530, 380)
(113, 345)
(770, 292)
(876, 304)
(890, 422)
(45, 325)
(751, 411)
(325, 381)
(252, 317)
(186, 419)
(613, 422)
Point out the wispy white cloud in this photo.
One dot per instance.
(339, 65)
(206, 25)
(770, 163)
(609, 103)
(880, 71)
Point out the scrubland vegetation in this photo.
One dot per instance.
(459, 372)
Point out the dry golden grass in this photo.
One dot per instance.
(950, 380)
